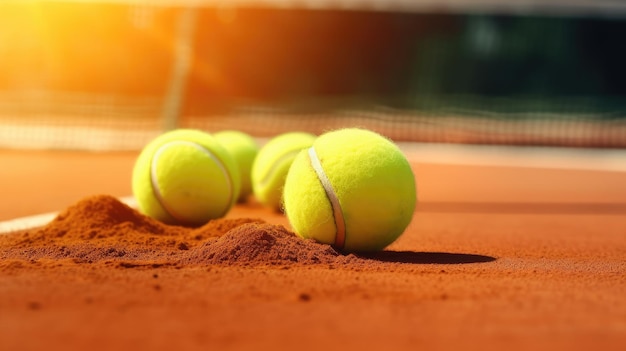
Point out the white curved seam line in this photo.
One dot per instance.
(340, 224)
(227, 177)
(154, 171)
(270, 173)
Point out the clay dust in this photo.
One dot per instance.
(103, 229)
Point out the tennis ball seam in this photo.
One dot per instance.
(340, 224)
(154, 175)
(272, 170)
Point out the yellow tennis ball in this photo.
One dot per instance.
(244, 149)
(272, 163)
(353, 189)
(185, 177)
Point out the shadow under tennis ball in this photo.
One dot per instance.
(427, 257)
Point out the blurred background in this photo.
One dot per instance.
(111, 75)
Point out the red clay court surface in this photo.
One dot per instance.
(495, 258)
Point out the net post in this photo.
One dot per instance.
(183, 54)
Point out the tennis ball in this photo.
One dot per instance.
(244, 149)
(353, 189)
(185, 177)
(272, 164)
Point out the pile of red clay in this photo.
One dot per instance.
(103, 229)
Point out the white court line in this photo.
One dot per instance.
(566, 158)
(39, 220)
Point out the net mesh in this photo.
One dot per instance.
(110, 75)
